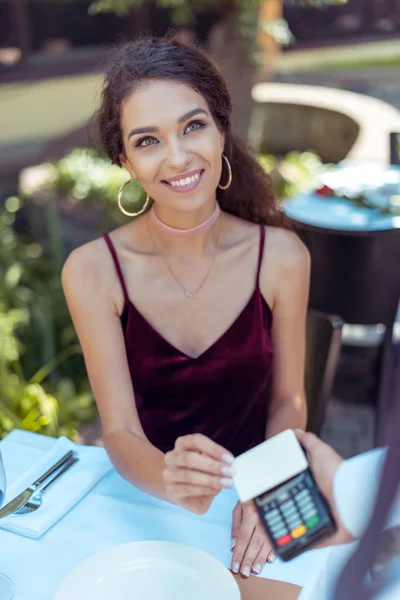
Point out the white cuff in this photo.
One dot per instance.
(355, 489)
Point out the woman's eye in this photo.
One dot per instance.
(148, 141)
(194, 125)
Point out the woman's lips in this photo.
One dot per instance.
(185, 183)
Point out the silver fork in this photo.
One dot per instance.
(36, 501)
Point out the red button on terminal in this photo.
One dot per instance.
(284, 540)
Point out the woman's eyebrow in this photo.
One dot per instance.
(182, 119)
(191, 114)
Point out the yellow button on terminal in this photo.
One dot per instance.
(298, 532)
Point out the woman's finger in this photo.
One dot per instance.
(243, 538)
(197, 478)
(201, 443)
(255, 550)
(262, 557)
(242, 541)
(198, 462)
(236, 522)
(271, 556)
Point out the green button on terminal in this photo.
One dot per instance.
(312, 522)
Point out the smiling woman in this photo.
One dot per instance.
(181, 386)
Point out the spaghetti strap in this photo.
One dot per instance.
(260, 253)
(117, 264)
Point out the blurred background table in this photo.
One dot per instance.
(355, 254)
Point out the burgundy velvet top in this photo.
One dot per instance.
(222, 393)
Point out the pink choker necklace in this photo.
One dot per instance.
(202, 228)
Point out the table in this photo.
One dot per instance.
(375, 182)
(338, 214)
(113, 513)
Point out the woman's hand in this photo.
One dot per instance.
(324, 462)
(196, 470)
(251, 545)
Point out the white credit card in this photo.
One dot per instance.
(267, 465)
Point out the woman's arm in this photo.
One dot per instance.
(284, 282)
(287, 268)
(88, 278)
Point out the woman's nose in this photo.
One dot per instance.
(177, 156)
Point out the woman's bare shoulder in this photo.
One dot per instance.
(89, 271)
(93, 259)
(285, 265)
(83, 264)
(285, 248)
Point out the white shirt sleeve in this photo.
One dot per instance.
(355, 490)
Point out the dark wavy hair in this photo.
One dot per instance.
(251, 195)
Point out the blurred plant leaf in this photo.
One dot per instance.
(33, 318)
(45, 371)
(296, 173)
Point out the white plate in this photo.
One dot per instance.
(150, 571)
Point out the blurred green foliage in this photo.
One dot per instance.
(184, 12)
(85, 178)
(295, 173)
(43, 381)
(43, 386)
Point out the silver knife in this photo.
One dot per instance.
(22, 498)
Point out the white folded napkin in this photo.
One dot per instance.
(67, 491)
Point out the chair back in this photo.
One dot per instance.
(323, 338)
(395, 148)
(354, 274)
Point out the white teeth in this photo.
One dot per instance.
(187, 181)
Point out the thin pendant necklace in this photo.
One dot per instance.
(190, 295)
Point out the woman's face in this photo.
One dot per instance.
(172, 145)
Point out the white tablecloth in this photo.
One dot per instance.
(115, 512)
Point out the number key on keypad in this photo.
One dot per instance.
(279, 533)
(304, 493)
(282, 497)
(290, 511)
(307, 509)
(274, 519)
(305, 501)
(293, 523)
(273, 514)
(307, 506)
